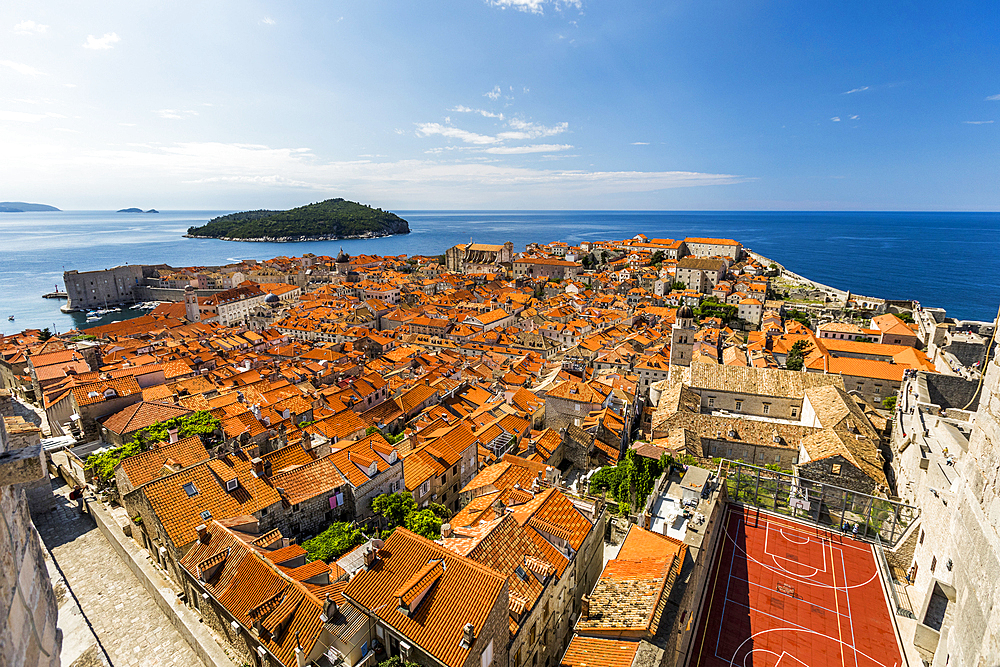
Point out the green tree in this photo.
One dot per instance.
(906, 317)
(424, 522)
(585, 260)
(199, 423)
(440, 510)
(889, 403)
(333, 542)
(396, 661)
(657, 257)
(46, 334)
(797, 355)
(604, 256)
(678, 285)
(394, 507)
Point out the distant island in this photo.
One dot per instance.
(136, 210)
(24, 207)
(323, 221)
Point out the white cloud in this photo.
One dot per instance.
(102, 43)
(640, 143)
(534, 6)
(855, 117)
(429, 129)
(525, 130)
(993, 98)
(977, 122)
(21, 68)
(267, 20)
(174, 114)
(482, 112)
(534, 148)
(186, 171)
(493, 94)
(30, 28)
(22, 117)
(856, 90)
(836, 119)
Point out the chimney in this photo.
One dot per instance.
(369, 558)
(300, 655)
(173, 434)
(446, 530)
(329, 609)
(498, 509)
(202, 533)
(585, 607)
(258, 466)
(468, 634)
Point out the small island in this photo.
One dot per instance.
(324, 221)
(24, 207)
(136, 210)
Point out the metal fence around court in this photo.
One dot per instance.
(823, 504)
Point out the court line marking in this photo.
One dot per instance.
(854, 640)
(711, 599)
(812, 632)
(784, 535)
(729, 578)
(775, 557)
(802, 580)
(786, 595)
(836, 599)
(788, 522)
(786, 654)
(836, 588)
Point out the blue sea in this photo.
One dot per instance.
(949, 260)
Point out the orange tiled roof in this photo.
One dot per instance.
(148, 465)
(436, 627)
(142, 415)
(597, 652)
(180, 512)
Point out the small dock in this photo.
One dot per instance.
(55, 295)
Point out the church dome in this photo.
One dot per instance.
(343, 257)
(270, 298)
(685, 313)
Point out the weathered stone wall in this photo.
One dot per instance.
(850, 477)
(958, 547)
(28, 633)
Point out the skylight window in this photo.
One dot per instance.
(190, 489)
(206, 515)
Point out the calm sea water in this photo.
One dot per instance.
(950, 260)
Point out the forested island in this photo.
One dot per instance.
(323, 221)
(24, 207)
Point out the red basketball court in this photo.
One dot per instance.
(786, 594)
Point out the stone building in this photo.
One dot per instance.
(570, 402)
(479, 258)
(371, 468)
(702, 247)
(763, 392)
(101, 289)
(700, 274)
(546, 267)
(946, 446)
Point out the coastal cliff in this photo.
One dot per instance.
(324, 221)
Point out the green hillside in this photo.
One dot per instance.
(330, 219)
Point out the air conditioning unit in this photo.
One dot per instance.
(234, 625)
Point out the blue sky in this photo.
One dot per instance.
(512, 104)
